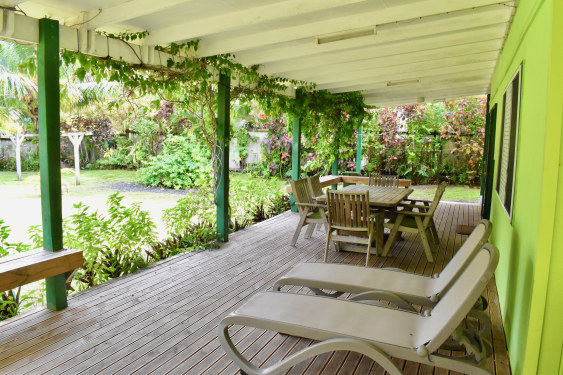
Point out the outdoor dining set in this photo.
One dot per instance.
(358, 214)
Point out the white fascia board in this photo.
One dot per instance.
(25, 29)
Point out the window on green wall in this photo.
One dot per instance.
(509, 140)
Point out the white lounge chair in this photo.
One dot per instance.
(375, 331)
(397, 286)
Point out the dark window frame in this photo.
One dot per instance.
(506, 197)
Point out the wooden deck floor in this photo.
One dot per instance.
(163, 319)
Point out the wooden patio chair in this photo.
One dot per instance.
(377, 332)
(420, 221)
(315, 186)
(309, 211)
(383, 180)
(349, 215)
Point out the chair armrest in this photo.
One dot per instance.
(410, 213)
(423, 201)
(404, 205)
(313, 205)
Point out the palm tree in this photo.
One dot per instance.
(18, 90)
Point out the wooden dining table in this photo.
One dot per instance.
(379, 197)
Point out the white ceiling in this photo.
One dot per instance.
(422, 50)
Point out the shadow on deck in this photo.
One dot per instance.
(164, 319)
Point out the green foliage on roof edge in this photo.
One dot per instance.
(196, 79)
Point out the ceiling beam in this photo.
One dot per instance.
(446, 79)
(409, 75)
(128, 10)
(437, 96)
(488, 33)
(245, 17)
(401, 59)
(411, 69)
(427, 87)
(410, 11)
(455, 22)
(10, 3)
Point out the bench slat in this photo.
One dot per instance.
(34, 265)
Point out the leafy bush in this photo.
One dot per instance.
(184, 163)
(7, 163)
(12, 301)
(117, 156)
(250, 200)
(112, 244)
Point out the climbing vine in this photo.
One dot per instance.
(190, 83)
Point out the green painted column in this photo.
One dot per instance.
(334, 171)
(49, 152)
(485, 146)
(223, 134)
(359, 145)
(296, 149)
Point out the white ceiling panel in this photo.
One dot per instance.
(391, 51)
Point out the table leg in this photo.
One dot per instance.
(379, 220)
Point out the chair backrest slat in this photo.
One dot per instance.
(315, 185)
(348, 209)
(300, 190)
(384, 181)
(437, 196)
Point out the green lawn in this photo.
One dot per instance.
(452, 193)
(21, 203)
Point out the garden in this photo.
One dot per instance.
(148, 168)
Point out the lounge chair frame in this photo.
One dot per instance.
(389, 284)
(375, 331)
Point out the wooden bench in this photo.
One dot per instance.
(27, 267)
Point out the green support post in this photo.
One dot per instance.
(334, 171)
(359, 145)
(49, 152)
(296, 149)
(223, 132)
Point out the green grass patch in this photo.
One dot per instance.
(452, 193)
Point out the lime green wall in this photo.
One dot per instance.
(548, 297)
(527, 277)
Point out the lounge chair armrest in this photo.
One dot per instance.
(379, 295)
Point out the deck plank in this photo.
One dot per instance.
(164, 319)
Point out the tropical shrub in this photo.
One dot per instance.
(183, 163)
(250, 201)
(13, 301)
(113, 244)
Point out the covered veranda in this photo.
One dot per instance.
(404, 53)
(164, 319)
